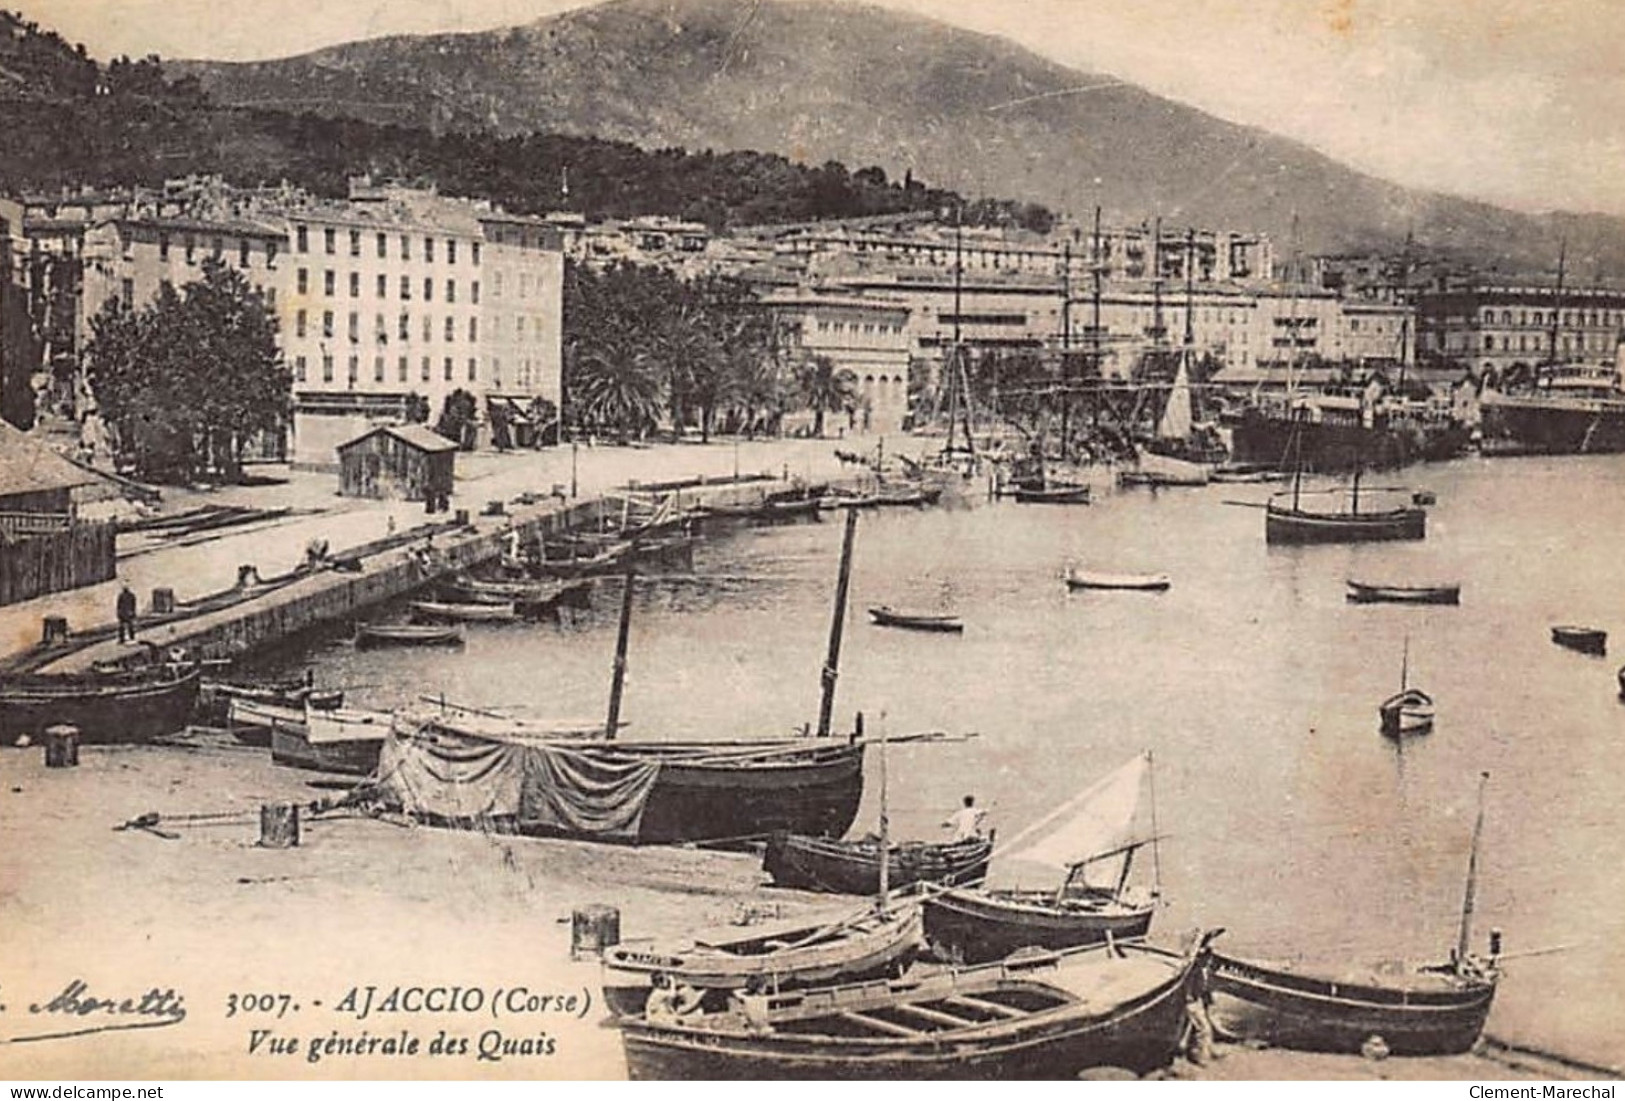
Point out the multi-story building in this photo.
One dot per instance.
(867, 335)
(1487, 327)
(390, 293)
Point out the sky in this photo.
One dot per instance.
(1517, 102)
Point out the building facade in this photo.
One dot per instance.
(867, 336)
(1500, 327)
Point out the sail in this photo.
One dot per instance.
(1176, 415)
(1103, 819)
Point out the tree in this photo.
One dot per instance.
(457, 418)
(187, 380)
(824, 389)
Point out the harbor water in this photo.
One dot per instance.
(1285, 816)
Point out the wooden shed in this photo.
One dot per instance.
(407, 461)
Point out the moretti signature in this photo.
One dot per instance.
(80, 1011)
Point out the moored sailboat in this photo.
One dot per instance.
(1091, 840)
(1429, 1010)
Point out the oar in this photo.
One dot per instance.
(1246, 504)
(1550, 949)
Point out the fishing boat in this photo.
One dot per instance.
(1428, 1010)
(1044, 1016)
(781, 955)
(368, 635)
(434, 611)
(887, 616)
(1098, 579)
(1153, 469)
(123, 708)
(527, 597)
(342, 740)
(1363, 592)
(853, 867)
(215, 696)
(1410, 710)
(1091, 840)
(1052, 493)
(1287, 521)
(638, 792)
(907, 493)
(1587, 640)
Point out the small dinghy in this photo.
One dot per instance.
(406, 634)
(886, 616)
(1135, 582)
(1587, 640)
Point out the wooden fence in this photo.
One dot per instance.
(52, 562)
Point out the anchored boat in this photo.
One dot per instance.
(1091, 840)
(1047, 1016)
(120, 708)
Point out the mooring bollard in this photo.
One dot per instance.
(279, 825)
(163, 600)
(593, 928)
(56, 629)
(62, 746)
(462, 517)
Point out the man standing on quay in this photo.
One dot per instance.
(126, 613)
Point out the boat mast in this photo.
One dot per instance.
(833, 661)
(953, 348)
(1066, 346)
(1404, 664)
(618, 675)
(1094, 313)
(1156, 834)
(1557, 298)
(1470, 898)
(885, 823)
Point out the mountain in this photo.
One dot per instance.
(868, 86)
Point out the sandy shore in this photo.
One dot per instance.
(361, 902)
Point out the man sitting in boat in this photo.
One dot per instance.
(671, 1000)
(968, 822)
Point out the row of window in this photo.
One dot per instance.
(217, 249)
(1600, 342)
(381, 286)
(1612, 318)
(403, 329)
(425, 372)
(301, 238)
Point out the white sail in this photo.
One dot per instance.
(1176, 415)
(1103, 819)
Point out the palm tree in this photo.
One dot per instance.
(825, 389)
(619, 394)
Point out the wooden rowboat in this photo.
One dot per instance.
(1096, 579)
(1425, 1011)
(783, 955)
(406, 634)
(127, 708)
(437, 612)
(1044, 1016)
(1587, 640)
(1361, 592)
(1407, 712)
(344, 740)
(886, 616)
(853, 867)
(1052, 494)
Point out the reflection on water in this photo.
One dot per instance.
(1290, 820)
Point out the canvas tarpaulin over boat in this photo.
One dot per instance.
(583, 792)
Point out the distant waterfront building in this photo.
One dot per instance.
(1501, 327)
(399, 292)
(866, 335)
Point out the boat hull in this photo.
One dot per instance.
(105, 710)
(1540, 426)
(1296, 527)
(376, 636)
(982, 926)
(1360, 593)
(872, 948)
(885, 617)
(1139, 1032)
(1308, 1013)
(1342, 448)
(838, 867)
(1145, 583)
(1586, 640)
(1408, 712)
(1053, 495)
(700, 802)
